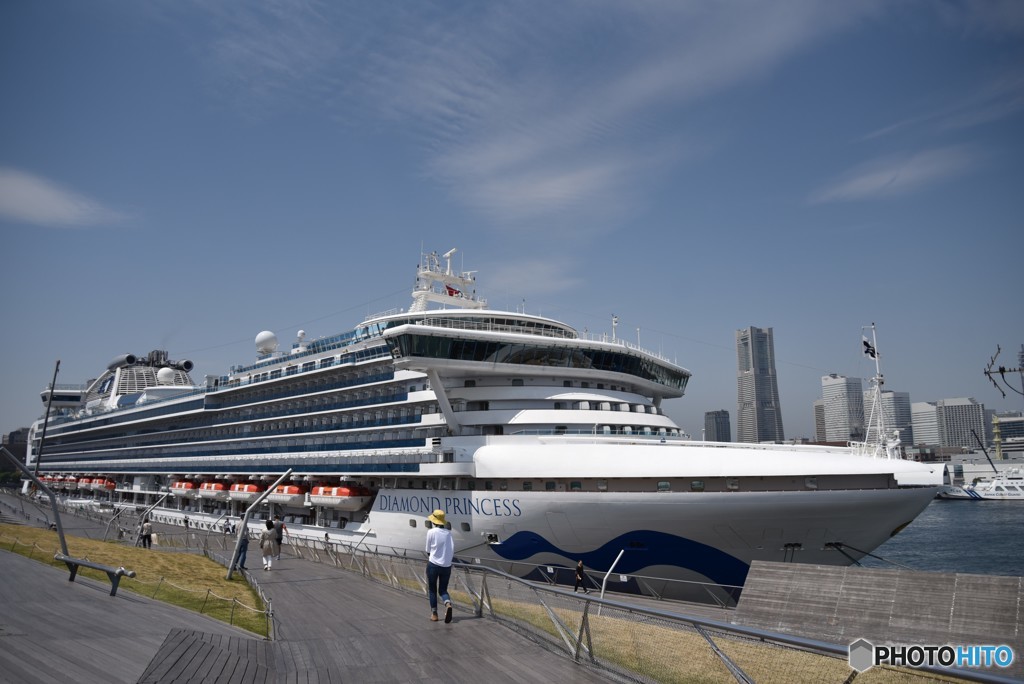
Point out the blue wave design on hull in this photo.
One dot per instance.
(643, 548)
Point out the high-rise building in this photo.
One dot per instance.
(819, 420)
(948, 422)
(959, 420)
(925, 419)
(717, 427)
(758, 411)
(895, 408)
(844, 408)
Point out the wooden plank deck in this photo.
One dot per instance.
(330, 626)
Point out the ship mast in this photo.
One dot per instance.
(441, 285)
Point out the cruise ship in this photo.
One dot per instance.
(544, 446)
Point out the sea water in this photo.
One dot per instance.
(977, 537)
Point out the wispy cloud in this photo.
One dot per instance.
(28, 198)
(898, 175)
(507, 117)
(530, 278)
(998, 99)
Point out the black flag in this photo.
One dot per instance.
(869, 350)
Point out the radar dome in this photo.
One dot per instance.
(266, 342)
(165, 376)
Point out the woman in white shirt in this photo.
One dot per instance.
(440, 549)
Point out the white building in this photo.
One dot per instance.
(843, 399)
(896, 415)
(949, 422)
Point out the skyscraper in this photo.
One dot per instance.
(895, 409)
(717, 427)
(844, 408)
(758, 411)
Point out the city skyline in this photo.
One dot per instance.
(183, 176)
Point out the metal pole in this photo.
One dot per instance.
(44, 488)
(46, 418)
(604, 581)
(244, 527)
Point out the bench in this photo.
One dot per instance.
(115, 574)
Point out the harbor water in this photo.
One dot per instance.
(977, 537)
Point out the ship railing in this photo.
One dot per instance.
(629, 638)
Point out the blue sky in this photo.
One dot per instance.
(182, 175)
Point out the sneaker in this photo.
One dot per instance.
(433, 617)
(447, 612)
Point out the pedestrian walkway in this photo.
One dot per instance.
(329, 626)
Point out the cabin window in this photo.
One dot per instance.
(527, 486)
(470, 383)
(517, 382)
(549, 486)
(412, 522)
(465, 526)
(811, 482)
(567, 383)
(584, 385)
(488, 485)
(602, 485)
(697, 486)
(664, 486)
(559, 405)
(576, 486)
(560, 429)
(732, 483)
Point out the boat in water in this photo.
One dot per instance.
(1004, 485)
(544, 446)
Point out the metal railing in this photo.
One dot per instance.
(628, 641)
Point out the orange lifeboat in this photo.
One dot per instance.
(213, 490)
(245, 491)
(183, 488)
(108, 485)
(85, 483)
(345, 498)
(71, 483)
(288, 495)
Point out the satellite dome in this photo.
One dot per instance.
(165, 376)
(266, 342)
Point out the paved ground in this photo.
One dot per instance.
(330, 626)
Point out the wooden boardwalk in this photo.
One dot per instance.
(330, 626)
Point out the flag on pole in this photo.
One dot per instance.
(869, 349)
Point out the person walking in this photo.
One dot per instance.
(147, 534)
(279, 530)
(243, 551)
(269, 545)
(581, 579)
(440, 549)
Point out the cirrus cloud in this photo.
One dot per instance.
(26, 198)
(898, 175)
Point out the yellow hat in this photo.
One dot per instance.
(437, 517)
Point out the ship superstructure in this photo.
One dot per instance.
(544, 447)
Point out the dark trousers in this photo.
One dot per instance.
(437, 583)
(147, 541)
(242, 552)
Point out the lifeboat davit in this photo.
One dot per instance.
(288, 495)
(213, 490)
(343, 498)
(244, 491)
(183, 488)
